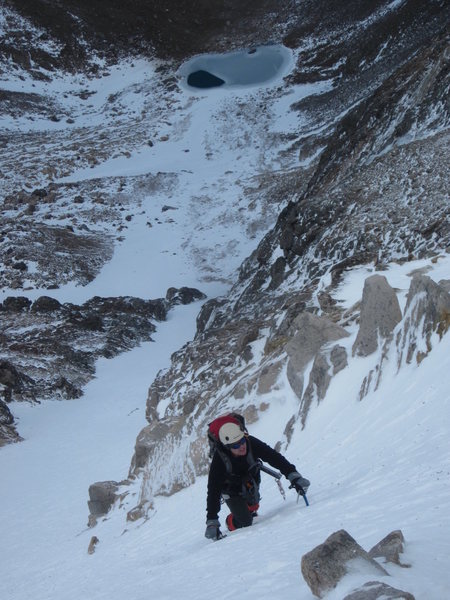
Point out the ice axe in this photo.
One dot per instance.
(300, 492)
(258, 466)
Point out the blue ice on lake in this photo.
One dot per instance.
(244, 68)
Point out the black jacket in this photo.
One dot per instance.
(220, 480)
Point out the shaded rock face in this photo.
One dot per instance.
(171, 30)
(102, 494)
(326, 565)
(313, 332)
(6, 417)
(427, 312)
(184, 295)
(8, 433)
(12, 384)
(72, 335)
(326, 364)
(380, 313)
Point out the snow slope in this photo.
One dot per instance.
(375, 466)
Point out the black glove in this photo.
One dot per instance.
(298, 482)
(213, 529)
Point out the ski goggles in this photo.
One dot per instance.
(238, 444)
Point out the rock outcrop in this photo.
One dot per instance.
(390, 548)
(8, 432)
(102, 496)
(327, 363)
(313, 342)
(380, 313)
(375, 590)
(313, 332)
(324, 567)
(426, 319)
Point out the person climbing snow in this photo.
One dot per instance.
(234, 474)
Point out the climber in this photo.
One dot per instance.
(234, 474)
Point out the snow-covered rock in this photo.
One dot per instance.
(324, 566)
(376, 590)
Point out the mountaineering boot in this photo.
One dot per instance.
(253, 508)
(230, 523)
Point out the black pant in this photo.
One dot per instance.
(238, 506)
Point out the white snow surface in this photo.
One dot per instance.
(215, 141)
(375, 466)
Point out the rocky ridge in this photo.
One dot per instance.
(52, 348)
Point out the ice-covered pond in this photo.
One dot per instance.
(245, 68)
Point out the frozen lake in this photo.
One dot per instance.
(242, 68)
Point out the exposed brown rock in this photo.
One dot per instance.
(375, 590)
(380, 313)
(324, 566)
(390, 548)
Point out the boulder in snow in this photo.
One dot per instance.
(15, 304)
(102, 496)
(324, 566)
(183, 295)
(94, 541)
(45, 304)
(390, 548)
(375, 590)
